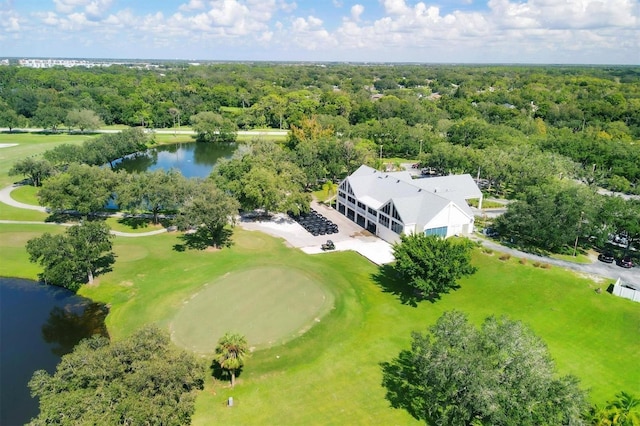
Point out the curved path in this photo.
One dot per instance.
(610, 270)
(5, 197)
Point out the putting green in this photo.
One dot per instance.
(269, 306)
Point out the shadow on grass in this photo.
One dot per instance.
(396, 378)
(63, 217)
(135, 222)
(221, 374)
(202, 239)
(389, 281)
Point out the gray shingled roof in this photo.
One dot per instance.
(416, 200)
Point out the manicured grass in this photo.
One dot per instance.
(578, 258)
(26, 194)
(13, 213)
(132, 225)
(331, 374)
(267, 305)
(29, 144)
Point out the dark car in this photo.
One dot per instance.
(606, 257)
(626, 262)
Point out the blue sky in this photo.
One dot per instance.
(449, 31)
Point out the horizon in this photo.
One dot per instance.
(531, 32)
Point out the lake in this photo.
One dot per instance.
(38, 324)
(193, 159)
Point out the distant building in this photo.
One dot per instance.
(389, 204)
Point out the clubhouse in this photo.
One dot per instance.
(389, 204)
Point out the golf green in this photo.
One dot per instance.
(268, 305)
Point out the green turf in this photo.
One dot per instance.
(267, 305)
(26, 194)
(331, 373)
(29, 144)
(13, 213)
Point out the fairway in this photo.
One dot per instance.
(268, 305)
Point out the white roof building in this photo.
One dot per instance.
(392, 203)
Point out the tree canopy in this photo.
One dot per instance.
(75, 257)
(231, 352)
(208, 210)
(140, 380)
(500, 374)
(431, 264)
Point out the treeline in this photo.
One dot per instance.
(589, 114)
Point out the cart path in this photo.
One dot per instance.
(5, 197)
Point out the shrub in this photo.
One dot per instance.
(522, 261)
(536, 264)
(505, 257)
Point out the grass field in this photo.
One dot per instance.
(269, 306)
(29, 144)
(331, 373)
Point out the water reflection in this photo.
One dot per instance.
(192, 159)
(66, 326)
(38, 324)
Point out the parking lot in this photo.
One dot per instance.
(349, 236)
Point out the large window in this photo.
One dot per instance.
(397, 227)
(372, 212)
(351, 200)
(441, 231)
(384, 220)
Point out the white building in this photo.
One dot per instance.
(391, 203)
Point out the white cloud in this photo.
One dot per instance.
(507, 30)
(68, 6)
(192, 5)
(356, 11)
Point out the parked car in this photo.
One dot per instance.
(626, 262)
(606, 257)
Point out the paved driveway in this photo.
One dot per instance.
(349, 237)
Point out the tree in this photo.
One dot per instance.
(212, 127)
(208, 209)
(83, 119)
(75, 257)
(501, 374)
(151, 191)
(33, 169)
(264, 178)
(624, 410)
(8, 117)
(139, 380)
(432, 264)
(83, 189)
(50, 117)
(231, 352)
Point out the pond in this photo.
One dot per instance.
(38, 324)
(192, 159)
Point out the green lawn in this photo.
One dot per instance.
(29, 144)
(267, 305)
(331, 374)
(26, 194)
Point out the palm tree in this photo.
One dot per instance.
(622, 409)
(231, 352)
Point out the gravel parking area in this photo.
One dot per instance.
(349, 237)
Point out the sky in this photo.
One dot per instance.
(440, 31)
